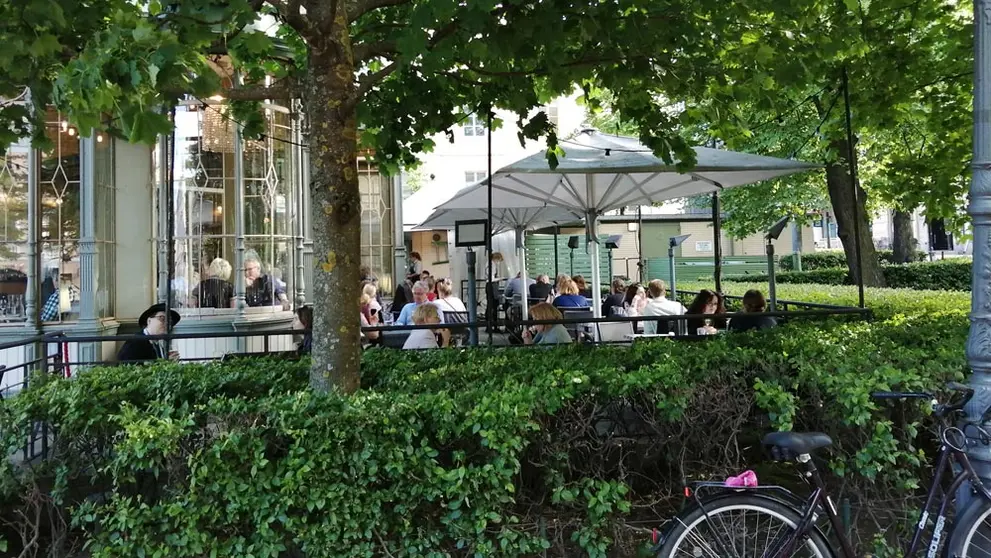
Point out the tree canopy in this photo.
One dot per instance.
(778, 88)
(385, 75)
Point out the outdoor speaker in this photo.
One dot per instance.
(612, 243)
(573, 242)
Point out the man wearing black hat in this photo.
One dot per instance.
(153, 321)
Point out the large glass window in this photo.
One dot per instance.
(376, 223)
(203, 178)
(269, 185)
(13, 232)
(59, 195)
(204, 218)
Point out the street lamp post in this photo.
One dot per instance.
(979, 341)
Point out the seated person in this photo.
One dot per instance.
(569, 297)
(541, 289)
(616, 298)
(216, 291)
(546, 334)
(260, 288)
(753, 305)
(427, 338)
(370, 315)
(516, 289)
(447, 302)
(403, 295)
(303, 321)
(583, 287)
(420, 290)
(706, 302)
(659, 305)
(153, 321)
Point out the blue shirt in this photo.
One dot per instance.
(571, 301)
(406, 315)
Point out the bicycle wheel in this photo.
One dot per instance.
(971, 536)
(738, 526)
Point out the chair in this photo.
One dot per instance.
(665, 324)
(455, 318)
(394, 339)
(579, 331)
(612, 332)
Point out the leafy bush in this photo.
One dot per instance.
(949, 275)
(884, 303)
(836, 258)
(472, 452)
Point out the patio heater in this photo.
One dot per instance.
(573, 243)
(612, 243)
(772, 234)
(469, 234)
(673, 243)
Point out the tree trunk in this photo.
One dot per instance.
(336, 211)
(846, 209)
(903, 242)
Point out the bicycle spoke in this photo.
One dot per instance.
(740, 533)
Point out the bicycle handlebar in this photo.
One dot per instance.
(940, 409)
(901, 395)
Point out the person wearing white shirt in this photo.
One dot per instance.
(447, 302)
(658, 305)
(427, 338)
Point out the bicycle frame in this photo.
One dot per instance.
(951, 452)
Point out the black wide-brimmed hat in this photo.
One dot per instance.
(154, 309)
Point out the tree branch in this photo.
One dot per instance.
(364, 52)
(274, 93)
(289, 11)
(362, 7)
(545, 71)
(368, 81)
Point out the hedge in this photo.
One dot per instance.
(513, 452)
(836, 258)
(884, 303)
(949, 275)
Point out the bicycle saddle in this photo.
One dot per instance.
(795, 443)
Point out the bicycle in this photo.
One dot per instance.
(787, 525)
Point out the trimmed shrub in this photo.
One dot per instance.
(948, 275)
(511, 452)
(884, 303)
(836, 258)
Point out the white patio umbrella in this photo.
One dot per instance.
(601, 172)
(518, 219)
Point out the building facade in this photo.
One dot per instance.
(94, 229)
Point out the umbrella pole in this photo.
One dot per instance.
(557, 231)
(490, 305)
(717, 235)
(641, 271)
(592, 236)
(521, 254)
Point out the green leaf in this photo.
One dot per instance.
(45, 45)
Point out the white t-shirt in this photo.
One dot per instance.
(660, 306)
(421, 339)
(449, 304)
